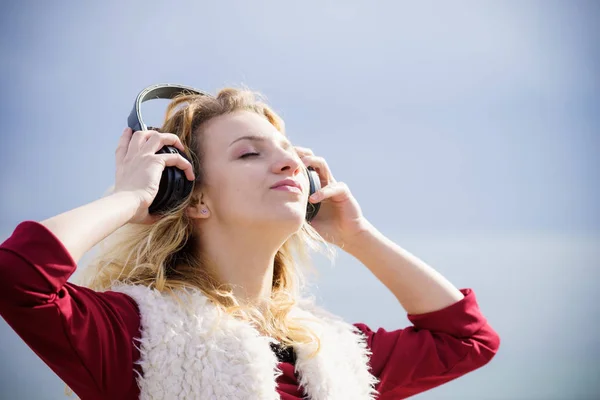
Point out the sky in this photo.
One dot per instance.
(468, 131)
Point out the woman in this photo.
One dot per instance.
(205, 301)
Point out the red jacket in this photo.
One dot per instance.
(86, 337)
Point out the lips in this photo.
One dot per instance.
(287, 182)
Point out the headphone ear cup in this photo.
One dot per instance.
(174, 187)
(314, 186)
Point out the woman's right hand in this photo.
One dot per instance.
(139, 168)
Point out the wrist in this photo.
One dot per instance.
(127, 201)
(361, 238)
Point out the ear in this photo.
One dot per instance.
(197, 208)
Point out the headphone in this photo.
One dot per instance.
(174, 187)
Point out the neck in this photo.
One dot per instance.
(242, 258)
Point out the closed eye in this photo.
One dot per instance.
(249, 155)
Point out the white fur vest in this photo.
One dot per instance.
(188, 352)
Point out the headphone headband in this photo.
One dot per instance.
(159, 91)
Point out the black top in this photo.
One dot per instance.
(284, 354)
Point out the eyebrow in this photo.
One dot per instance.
(256, 138)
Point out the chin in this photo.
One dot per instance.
(289, 215)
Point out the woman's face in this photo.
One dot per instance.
(244, 156)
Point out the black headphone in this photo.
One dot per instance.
(174, 187)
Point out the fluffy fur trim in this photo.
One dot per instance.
(189, 351)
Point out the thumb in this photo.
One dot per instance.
(329, 191)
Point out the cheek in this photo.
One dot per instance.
(243, 189)
(305, 185)
(238, 188)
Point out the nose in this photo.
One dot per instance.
(287, 161)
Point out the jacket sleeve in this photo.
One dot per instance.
(440, 346)
(84, 336)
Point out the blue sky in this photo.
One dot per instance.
(470, 117)
(467, 130)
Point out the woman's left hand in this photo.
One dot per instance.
(340, 219)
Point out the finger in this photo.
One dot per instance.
(334, 191)
(138, 139)
(156, 142)
(176, 160)
(320, 165)
(304, 151)
(123, 145)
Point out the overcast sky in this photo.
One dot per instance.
(467, 130)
